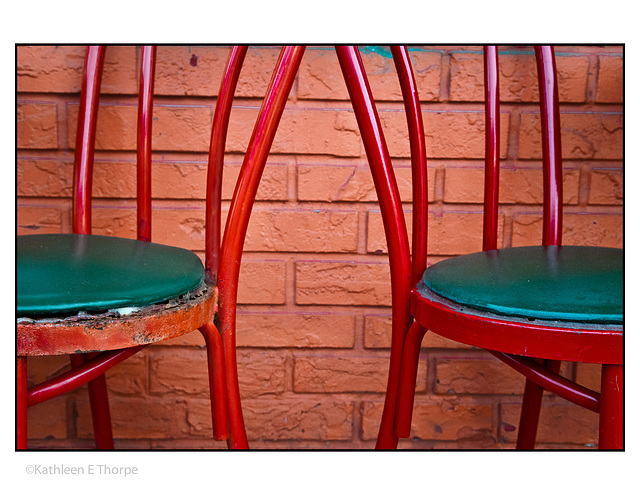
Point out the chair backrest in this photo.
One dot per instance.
(406, 269)
(85, 140)
(365, 109)
(551, 146)
(85, 146)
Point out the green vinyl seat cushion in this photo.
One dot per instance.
(68, 273)
(568, 283)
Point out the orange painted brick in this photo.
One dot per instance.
(347, 183)
(114, 219)
(449, 134)
(301, 131)
(49, 69)
(116, 179)
(39, 219)
(47, 177)
(453, 420)
(342, 283)
(521, 185)
(578, 229)
(301, 230)
(178, 223)
(518, 77)
(256, 73)
(187, 179)
(320, 76)
(48, 419)
(261, 282)
(589, 135)
(456, 233)
(115, 127)
(182, 127)
(121, 70)
(454, 134)
(197, 70)
(58, 69)
(179, 372)
(330, 375)
(262, 373)
(573, 71)
(139, 417)
(589, 375)
(610, 79)
(593, 230)
(175, 372)
(478, 375)
(175, 127)
(41, 368)
(194, 339)
(443, 420)
(318, 131)
(273, 183)
(131, 376)
(606, 187)
(380, 68)
(560, 423)
(190, 70)
(36, 125)
(182, 224)
(527, 230)
(377, 334)
(449, 234)
(321, 418)
(299, 330)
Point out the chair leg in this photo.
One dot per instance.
(99, 400)
(387, 437)
(21, 402)
(530, 413)
(217, 382)
(237, 433)
(408, 375)
(611, 435)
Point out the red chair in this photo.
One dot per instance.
(532, 307)
(102, 299)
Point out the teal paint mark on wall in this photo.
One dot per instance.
(378, 50)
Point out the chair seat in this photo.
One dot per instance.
(68, 273)
(568, 283)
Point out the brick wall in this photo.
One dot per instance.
(314, 314)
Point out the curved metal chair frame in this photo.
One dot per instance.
(119, 338)
(535, 349)
(538, 358)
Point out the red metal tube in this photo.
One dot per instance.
(238, 219)
(85, 139)
(216, 161)
(78, 376)
(21, 402)
(408, 375)
(553, 382)
(612, 408)
(530, 412)
(393, 221)
(217, 381)
(99, 401)
(492, 148)
(418, 160)
(145, 113)
(551, 146)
